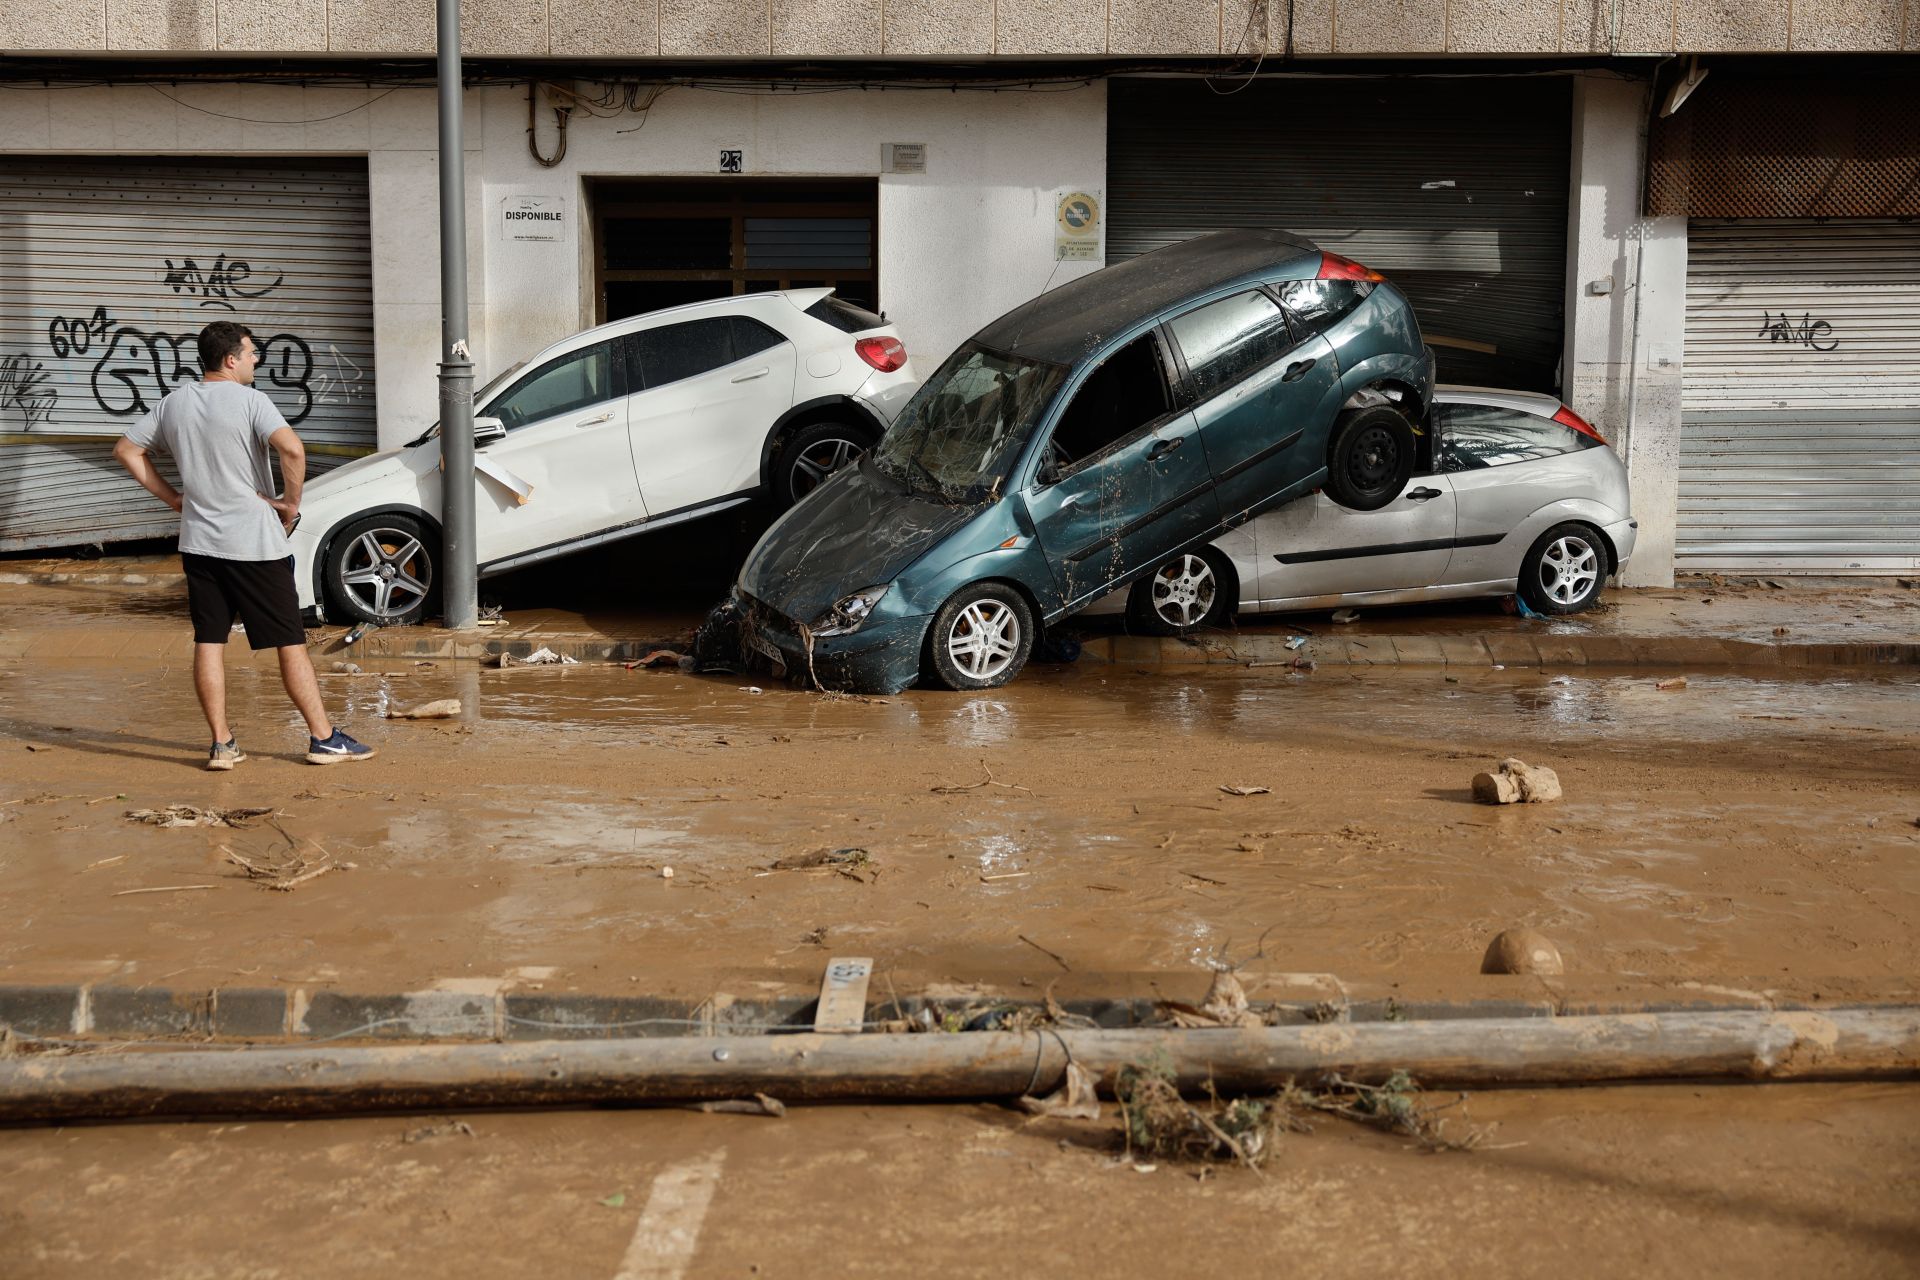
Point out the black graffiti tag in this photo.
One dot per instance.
(213, 285)
(137, 362)
(74, 336)
(23, 386)
(1816, 334)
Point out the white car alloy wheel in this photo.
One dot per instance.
(983, 639)
(1569, 570)
(386, 572)
(1183, 590)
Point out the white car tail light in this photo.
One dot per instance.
(884, 354)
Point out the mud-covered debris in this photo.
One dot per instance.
(1078, 1098)
(1516, 782)
(286, 869)
(1225, 1006)
(818, 858)
(439, 1129)
(1522, 951)
(759, 1104)
(186, 815)
(1346, 615)
(658, 658)
(347, 668)
(1159, 1123)
(1235, 790)
(541, 657)
(442, 709)
(1671, 685)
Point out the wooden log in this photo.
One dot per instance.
(1839, 1045)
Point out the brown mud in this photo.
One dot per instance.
(1760, 829)
(1659, 1182)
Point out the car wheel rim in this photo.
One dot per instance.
(386, 572)
(983, 639)
(1374, 459)
(821, 459)
(1184, 590)
(1569, 570)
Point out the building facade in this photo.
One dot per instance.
(1696, 223)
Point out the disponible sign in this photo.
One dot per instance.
(533, 218)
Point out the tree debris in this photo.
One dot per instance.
(439, 1129)
(186, 815)
(442, 709)
(1516, 782)
(821, 859)
(287, 870)
(1233, 790)
(954, 789)
(759, 1104)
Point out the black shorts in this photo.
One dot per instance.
(258, 592)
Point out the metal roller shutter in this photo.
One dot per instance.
(1800, 416)
(113, 265)
(1456, 188)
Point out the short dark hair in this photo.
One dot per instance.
(219, 340)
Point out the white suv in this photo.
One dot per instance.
(613, 432)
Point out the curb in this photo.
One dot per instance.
(296, 1015)
(1493, 651)
(108, 579)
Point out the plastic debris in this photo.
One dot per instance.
(541, 657)
(1346, 615)
(357, 633)
(1077, 1099)
(1524, 610)
(1296, 642)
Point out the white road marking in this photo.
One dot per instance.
(669, 1227)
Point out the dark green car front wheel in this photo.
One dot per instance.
(981, 638)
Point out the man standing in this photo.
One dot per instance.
(233, 533)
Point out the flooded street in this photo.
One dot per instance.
(1072, 828)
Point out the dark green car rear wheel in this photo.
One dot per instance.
(1370, 457)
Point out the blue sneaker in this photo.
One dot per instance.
(337, 750)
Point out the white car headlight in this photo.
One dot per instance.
(849, 612)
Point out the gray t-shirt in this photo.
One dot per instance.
(217, 433)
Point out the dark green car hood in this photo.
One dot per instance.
(857, 530)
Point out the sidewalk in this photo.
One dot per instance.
(136, 609)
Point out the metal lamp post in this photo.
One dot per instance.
(459, 589)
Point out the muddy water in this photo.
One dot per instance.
(1739, 828)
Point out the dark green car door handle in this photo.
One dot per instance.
(1161, 448)
(1297, 370)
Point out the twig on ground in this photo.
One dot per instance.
(1054, 956)
(954, 789)
(166, 888)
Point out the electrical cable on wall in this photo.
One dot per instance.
(560, 115)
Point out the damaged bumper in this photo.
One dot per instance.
(882, 657)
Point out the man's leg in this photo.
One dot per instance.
(296, 672)
(210, 682)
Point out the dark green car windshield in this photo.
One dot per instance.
(965, 425)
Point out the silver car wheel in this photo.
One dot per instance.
(386, 572)
(821, 459)
(1184, 590)
(983, 639)
(1569, 570)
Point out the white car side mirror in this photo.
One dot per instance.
(487, 430)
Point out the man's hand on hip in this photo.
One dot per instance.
(289, 512)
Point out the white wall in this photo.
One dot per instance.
(1626, 271)
(959, 245)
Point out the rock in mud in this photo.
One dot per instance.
(1516, 782)
(1522, 951)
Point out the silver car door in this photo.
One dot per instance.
(1505, 465)
(1315, 547)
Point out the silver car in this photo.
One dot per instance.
(1514, 494)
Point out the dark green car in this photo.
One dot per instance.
(1073, 445)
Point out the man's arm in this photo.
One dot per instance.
(293, 474)
(139, 464)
